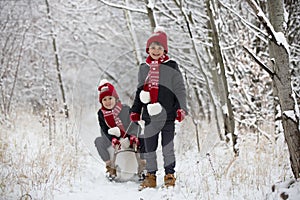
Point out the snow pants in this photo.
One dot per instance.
(151, 135)
(102, 144)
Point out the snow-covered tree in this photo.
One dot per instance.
(281, 76)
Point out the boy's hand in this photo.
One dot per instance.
(115, 142)
(180, 115)
(114, 131)
(135, 117)
(134, 140)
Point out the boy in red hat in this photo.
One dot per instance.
(160, 99)
(116, 128)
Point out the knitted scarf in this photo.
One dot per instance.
(152, 80)
(112, 118)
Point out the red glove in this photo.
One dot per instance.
(115, 142)
(180, 115)
(133, 139)
(135, 117)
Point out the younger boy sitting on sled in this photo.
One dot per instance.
(113, 118)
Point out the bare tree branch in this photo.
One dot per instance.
(17, 70)
(277, 38)
(123, 7)
(266, 68)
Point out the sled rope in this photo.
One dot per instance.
(117, 150)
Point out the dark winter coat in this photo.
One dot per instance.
(171, 94)
(124, 117)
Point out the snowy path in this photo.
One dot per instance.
(94, 185)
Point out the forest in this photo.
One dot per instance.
(240, 60)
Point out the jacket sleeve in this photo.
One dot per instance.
(103, 126)
(179, 89)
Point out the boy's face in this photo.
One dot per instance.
(109, 102)
(156, 51)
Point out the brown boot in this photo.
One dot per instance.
(112, 172)
(169, 180)
(149, 181)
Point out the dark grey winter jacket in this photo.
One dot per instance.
(171, 94)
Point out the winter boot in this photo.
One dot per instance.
(112, 172)
(169, 180)
(149, 181)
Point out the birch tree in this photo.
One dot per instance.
(279, 55)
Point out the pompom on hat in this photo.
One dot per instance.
(160, 36)
(106, 89)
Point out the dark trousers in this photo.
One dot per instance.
(151, 134)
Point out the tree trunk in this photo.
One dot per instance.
(57, 62)
(222, 84)
(133, 36)
(282, 82)
(150, 14)
(206, 78)
(282, 79)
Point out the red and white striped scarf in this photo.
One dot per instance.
(152, 80)
(112, 118)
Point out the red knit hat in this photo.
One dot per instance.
(106, 89)
(160, 36)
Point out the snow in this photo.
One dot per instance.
(197, 178)
(290, 114)
(297, 110)
(98, 187)
(279, 36)
(151, 4)
(123, 7)
(281, 40)
(56, 172)
(293, 114)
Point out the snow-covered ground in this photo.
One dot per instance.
(216, 175)
(94, 185)
(33, 170)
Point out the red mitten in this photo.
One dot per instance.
(135, 117)
(134, 140)
(180, 115)
(115, 142)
